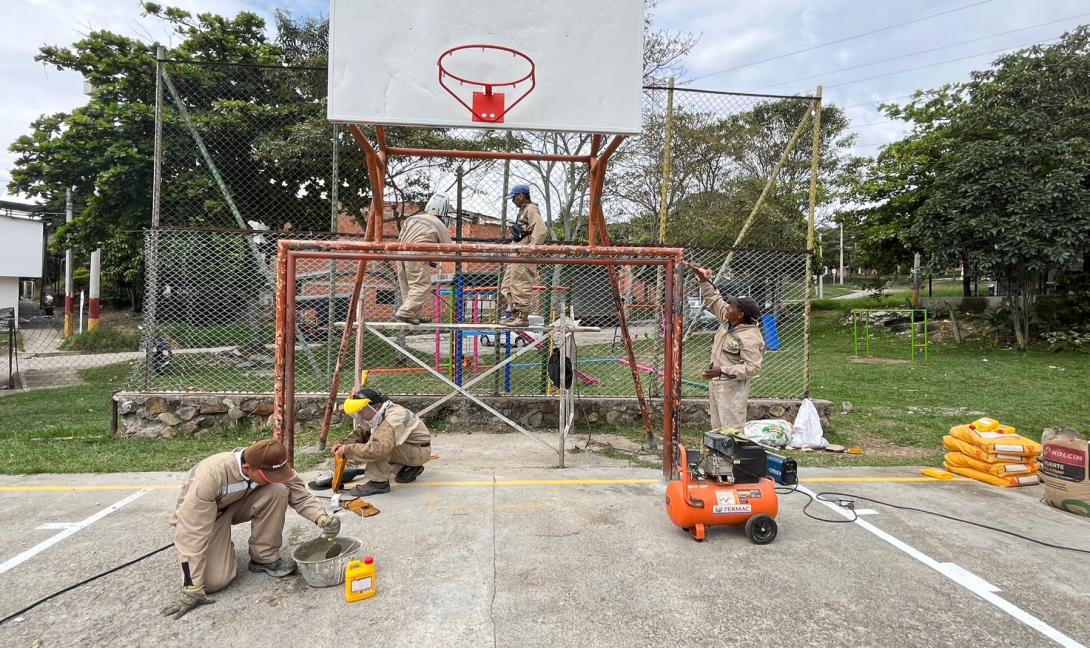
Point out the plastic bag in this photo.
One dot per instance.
(774, 433)
(808, 432)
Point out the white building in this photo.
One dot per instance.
(20, 256)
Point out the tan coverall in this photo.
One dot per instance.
(519, 278)
(216, 495)
(398, 437)
(415, 276)
(738, 352)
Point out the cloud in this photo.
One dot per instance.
(35, 89)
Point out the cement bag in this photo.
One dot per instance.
(769, 432)
(997, 442)
(1030, 467)
(970, 450)
(1005, 482)
(807, 432)
(1064, 470)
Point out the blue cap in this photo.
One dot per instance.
(519, 189)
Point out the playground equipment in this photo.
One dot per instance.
(863, 318)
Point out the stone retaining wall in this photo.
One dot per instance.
(187, 414)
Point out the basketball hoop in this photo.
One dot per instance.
(488, 106)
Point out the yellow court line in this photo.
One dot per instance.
(498, 482)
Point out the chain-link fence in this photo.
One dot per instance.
(246, 156)
(213, 328)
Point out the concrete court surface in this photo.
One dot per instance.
(492, 547)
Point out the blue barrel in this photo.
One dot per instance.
(771, 331)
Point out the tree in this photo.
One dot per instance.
(996, 172)
(721, 162)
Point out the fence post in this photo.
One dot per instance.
(815, 158)
(664, 213)
(499, 271)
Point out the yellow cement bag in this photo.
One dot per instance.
(1005, 482)
(1029, 467)
(997, 442)
(1065, 470)
(972, 451)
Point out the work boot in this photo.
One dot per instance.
(277, 569)
(324, 480)
(371, 488)
(517, 319)
(408, 474)
(407, 319)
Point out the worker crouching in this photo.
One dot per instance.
(255, 485)
(394, 436)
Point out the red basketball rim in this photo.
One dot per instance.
(488, 85)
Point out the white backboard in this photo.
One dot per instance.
(587, 60)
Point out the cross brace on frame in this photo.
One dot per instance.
(363, 252)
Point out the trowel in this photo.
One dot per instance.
(335, 503)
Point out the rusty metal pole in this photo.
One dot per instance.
(373, 225)
(598, 231)
(279, 387)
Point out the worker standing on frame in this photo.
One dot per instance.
(518, 278)
(737, 353)
(414, 277)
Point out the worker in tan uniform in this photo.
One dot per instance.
(737, 353)
(528, 230)
(254, 485)
(394, 435)
(414, 277)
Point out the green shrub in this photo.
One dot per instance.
(104, 339)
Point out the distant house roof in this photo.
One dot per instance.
(18, 209)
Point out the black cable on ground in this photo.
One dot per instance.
(83, 582)
(850, 498)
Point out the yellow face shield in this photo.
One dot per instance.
(357, 401)
(353, 404)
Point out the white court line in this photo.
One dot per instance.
(68, 529)
(959, 575)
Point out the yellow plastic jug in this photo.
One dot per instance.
(359, 580)
(985, 425)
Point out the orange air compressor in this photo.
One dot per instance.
(725, 484)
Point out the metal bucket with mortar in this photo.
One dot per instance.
(319, 571)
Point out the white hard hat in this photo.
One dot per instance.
(437, 205)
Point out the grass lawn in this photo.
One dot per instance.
(901, 408)
(68, 430)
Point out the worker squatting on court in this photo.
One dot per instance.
(394, 435)
(518, 279)
(429, 226)
(737, 353)
(255, 485)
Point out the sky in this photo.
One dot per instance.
(734, 36)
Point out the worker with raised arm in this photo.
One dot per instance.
(737, 353)
(393, 435)
(528, 230)
(414, 277)
(255, 485)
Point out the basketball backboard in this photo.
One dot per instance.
(554, 65)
